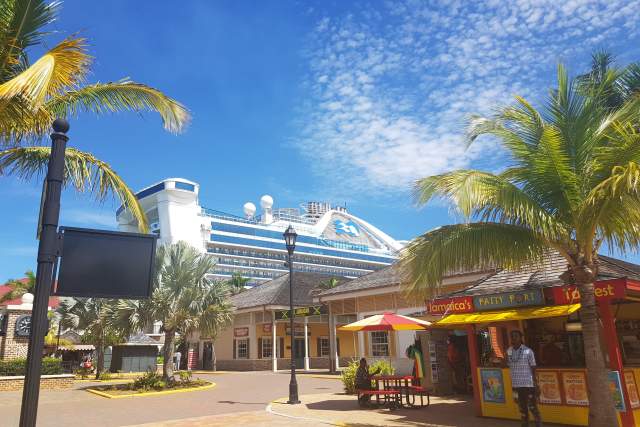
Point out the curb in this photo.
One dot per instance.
(149, 393)
(283, 400)
(326, 377)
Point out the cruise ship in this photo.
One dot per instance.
(330, 241)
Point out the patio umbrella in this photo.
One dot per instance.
(387, 322)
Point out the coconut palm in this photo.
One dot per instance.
(329, 284)
(20, 287)
(571, 186)
(32, 95)
(184, 300)
(237, 283)
(91, 316)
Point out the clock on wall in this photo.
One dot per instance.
(23, 325)
(3, 324)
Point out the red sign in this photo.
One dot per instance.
(604, 290)
(266, 328)
(241, 332)
(450, 305)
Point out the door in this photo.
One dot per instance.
(207, 356)
(298, 353)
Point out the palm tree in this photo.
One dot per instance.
(570, 187)
(92, 316)
(33, 94)
(184, 300)
(237, 283)
(20, 287)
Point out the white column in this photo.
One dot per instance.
(335, 345)
(253, 339)
(360, 340)
(274, 342)
(306, 343)
(332, 342)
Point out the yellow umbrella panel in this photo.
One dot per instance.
(387, 322)
(506, 315)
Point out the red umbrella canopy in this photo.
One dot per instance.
(387, 322)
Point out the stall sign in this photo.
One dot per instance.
(632, 390)
(492, 385)
(508, 300)
(299, 331)
(240, 332)
(451, 305)
(604, 290)
(315, 310)
(266, 328)
(575, 388)
(615, 385)
(549, 387)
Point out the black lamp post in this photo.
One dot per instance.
(290, 236)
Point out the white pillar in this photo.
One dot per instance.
(335, 345)
(274, 342)
(360, 340)
(306, 343)
(253, 339)
(332, 342)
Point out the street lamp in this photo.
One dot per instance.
(290, 236)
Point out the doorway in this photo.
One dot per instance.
(298, 353)
(207, 356)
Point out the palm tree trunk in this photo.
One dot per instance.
(100, 359)
(214, 360)
(602, 411)
(167, 352)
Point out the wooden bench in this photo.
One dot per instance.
(420, 391)
(391, 397)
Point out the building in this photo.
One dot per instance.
(260, 336)
(331, 241)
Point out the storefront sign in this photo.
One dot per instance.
(508, 300)
(615, 385)
(632, 390)
(607, 289)
(575, 388)
(240, 332)
(302, 312)
(549, 387)
(266, 328)
(299, 331)
(492, 385)
(451, 305)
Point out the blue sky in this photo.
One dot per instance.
(344, 101)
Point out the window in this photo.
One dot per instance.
(242, 348)
(379, 344)
(324, 346)
(267, 348)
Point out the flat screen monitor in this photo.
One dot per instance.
(106, 264)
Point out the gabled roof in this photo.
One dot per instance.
(276, 292)
(139, 339)
(387, 276)
(546, 274)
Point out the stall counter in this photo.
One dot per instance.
(563, 397)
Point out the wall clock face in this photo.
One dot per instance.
(23, 325)
(3, 324)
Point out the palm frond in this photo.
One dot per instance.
(124, 95)
(21, 26)
(62, 67)
(467, 247)
(84, 171)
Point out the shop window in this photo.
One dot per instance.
(323, 346)
(266, 349)
(242, 348)
(379, 344)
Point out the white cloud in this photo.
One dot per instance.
(391, 87)
(87, 218)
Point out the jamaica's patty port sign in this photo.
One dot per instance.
(450, 305)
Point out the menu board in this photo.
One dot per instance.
(632, 390)
(549, 387)
(575, 388)
(616, 390)
(492, 385)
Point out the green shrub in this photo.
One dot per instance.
(349, 373)
(105, 376)
(50, 366)
(185, 376)
(160, 360)
(151, 380)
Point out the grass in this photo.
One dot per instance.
(127, 390)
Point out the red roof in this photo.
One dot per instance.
(6, 288)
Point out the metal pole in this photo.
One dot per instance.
(293, 384)
(47, 253)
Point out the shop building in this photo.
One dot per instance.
(536, 301)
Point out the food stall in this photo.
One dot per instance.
(547, 312)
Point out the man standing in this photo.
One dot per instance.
(522, 366)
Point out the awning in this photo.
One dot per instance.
(506, 315)
(77, 347)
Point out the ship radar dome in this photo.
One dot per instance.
(266, 201)
(249, 209)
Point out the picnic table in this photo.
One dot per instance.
(404, 384)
